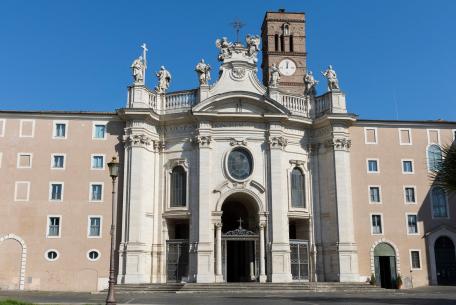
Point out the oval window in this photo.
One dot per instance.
(240, 163)
(52, 255)
(93, 255)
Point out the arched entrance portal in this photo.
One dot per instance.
(385, 265)
(445, 261)
(240, 238)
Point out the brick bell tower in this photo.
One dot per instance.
(284, 44)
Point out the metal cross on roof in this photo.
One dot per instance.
(240, 222)
(237, 24)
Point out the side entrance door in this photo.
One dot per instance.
(176, 260)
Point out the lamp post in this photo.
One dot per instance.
(113, 172)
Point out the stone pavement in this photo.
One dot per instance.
(417, 296)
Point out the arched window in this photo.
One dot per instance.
(178, 187)
(434, 154)
(286, 29)
(282, 43)
(276, 42)
(291, 43)
(439, 203)
(298, 198)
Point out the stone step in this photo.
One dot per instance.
(245, 287)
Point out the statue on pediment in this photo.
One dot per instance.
(310, 84)
(331, 76)
(275, 76)
(224, 46)
(253, 44)
(204, 72)
(164, 78)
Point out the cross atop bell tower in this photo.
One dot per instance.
(284, 44)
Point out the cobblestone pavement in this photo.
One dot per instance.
(417, 296)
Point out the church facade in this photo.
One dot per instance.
(237, 180)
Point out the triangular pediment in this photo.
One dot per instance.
(240, 102)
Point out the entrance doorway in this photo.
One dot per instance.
(240, 242)
(385, 266)
(445, 261)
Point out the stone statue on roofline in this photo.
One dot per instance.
(164, 78)
(310, 84)
(331, 76)
(204, 72)
(275, 76)
(253, 44)
(138, 69)
(224, 46)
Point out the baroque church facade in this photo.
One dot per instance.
(236, 181)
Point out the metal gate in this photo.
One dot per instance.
(176, 260)
(299, 259)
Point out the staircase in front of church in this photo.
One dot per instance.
(247, 287)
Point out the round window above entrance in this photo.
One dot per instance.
(239, 164)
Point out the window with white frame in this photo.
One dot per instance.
(96, 192)
(405, 136)
(439, 203)
(409, 193)
(415, 259)
(372, 166)
(97, 162)
(370, 135)
(94, 229)
(374, 194)
(56, 191)
(434, 154)
(51, 255)
(407, 166)
(60, 130)
(27, 128)
(99, 131)
(376, 221)
(58, 161)
(298, 198)
(22, 191)
(2, 127)
(93, 255)
(412, 224)
(24, 160)
(178, 187)
(53, 226)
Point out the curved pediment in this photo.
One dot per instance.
(240, 102)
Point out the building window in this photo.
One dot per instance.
(415, 259)
(94, 226)
(433, 136)
(51, 255)
(27, 128)
(93, 255)
(286, 29)
(22, 191)
(291, 43)
(2, 127)
(56, 192)
(60, 130)
(407, 166)
(282, 43)
(405, 136)
(409, 194)
(298, 189)
(434, 157)
(54, 226)
(97, 162)
(374, 194)
(24, 160)
(96, 192)
(439, 203)
(99, 131)
(412, 224)
(178, 187)
(377, 224)
(276, 42)
(370, 135)
(58, 161)
(372, 166)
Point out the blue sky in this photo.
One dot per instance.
(394, 58)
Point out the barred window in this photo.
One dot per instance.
(178, 187)
(298, 199)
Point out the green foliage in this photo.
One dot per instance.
(13, 302)
(373, 280)
(445, 177)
